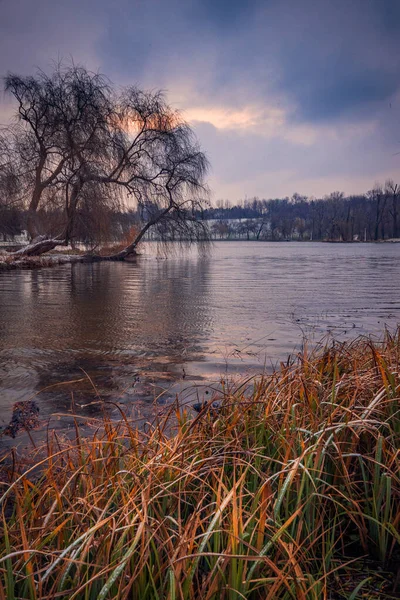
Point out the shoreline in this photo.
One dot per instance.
(53, 260)
(7, 263)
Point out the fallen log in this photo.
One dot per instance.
(38, 246)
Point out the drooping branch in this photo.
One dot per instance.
(79, 140)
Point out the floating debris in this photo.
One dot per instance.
(25, 415)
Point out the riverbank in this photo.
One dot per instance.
(288, 490)
(279, 241)
(10, 263)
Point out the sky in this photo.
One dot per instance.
(284, 95)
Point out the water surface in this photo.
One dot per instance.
(140, 332)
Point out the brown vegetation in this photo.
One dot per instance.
(290, 490)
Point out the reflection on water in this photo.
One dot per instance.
(136, 329)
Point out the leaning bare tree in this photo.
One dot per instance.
(75, 137)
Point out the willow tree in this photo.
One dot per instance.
(76, 137)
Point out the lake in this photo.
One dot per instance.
(138, 333)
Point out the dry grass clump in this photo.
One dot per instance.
(289, 491)
(127, 238)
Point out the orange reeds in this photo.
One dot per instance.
(289, 489)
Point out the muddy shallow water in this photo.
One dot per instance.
(138, 333)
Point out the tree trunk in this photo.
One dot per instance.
(32, 224)
(32, 227)
(71, 211)
(39, 246)
(380, 209)
(131, 249)
(395, 217)
(42, 244)
(376, 234)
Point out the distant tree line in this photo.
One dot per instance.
(372, 216)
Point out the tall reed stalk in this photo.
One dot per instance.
(290, 490)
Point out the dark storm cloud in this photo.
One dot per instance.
(37, 33)
(329, 58)
(225, 14)
(353, 95)
(347, 82)
(337, 58)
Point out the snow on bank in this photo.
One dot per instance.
(9, 263)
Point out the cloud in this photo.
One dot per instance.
(283, 95)
(338, 157)
(35, 34)
(244, 119)
(340, 59)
